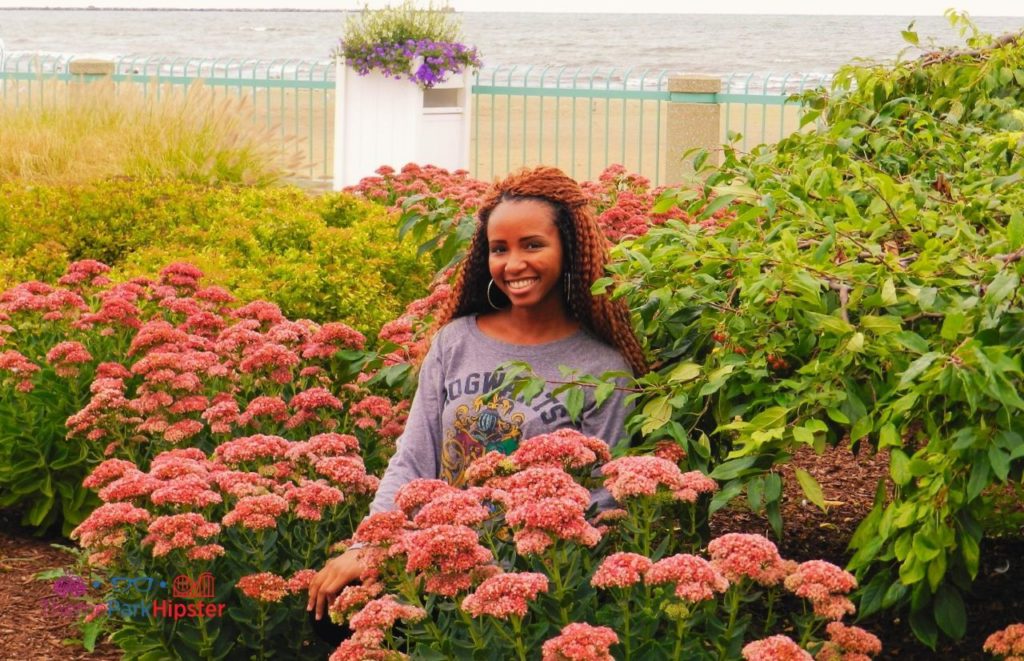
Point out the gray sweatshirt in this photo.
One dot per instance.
(450, 425)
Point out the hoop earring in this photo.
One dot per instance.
(489, 285)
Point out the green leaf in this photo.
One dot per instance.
(889, 437)
(910, 37)
(881, 325)
(657, 412)
(922, 622)
(952, 325)
(811, 487)
(771, 418)
(1015, 230)
(732, 468)
(899, 467)
(950, 613)
(917, 367)
(724, 495)
(684, 372)
(1001, 287)
(888, 293)
(574, 401)
(856, 343)
(602, 392)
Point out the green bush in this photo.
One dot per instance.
(327, 258)
(867, 293)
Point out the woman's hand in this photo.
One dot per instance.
(336, 574)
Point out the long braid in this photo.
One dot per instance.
(586, 254)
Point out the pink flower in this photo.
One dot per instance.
(381, 528)
(458, 507)
(182, 275)
(628, 477)
(443, 548)
(505, 595)
(348, 472)
(256, 512)
(191, 489)
(214, 294)
(221, 415)
(276, 359)
(489, 465)
(669, 450)
(299, 582)
(382, 613)
(564, 448)
(1007, 643)
(263, 406)
(132, 484)
(563, 518)
(241, 483)
(178, 531)
(331, 338)
(823, 584)
(353, 597)
(84, 270)
(740, 556)
(323, 445)
(263, 586)
(104, 525)
(261, 311)
(579, 641)
(775, 648)
(67, 356)
(416, 493)
(106, 472)
(205, 552)
(620, 570)
(695, 578)
(181, 430)
(315, 398)
(538, 483)
(848, 644)
(252, 448)
(311, 498)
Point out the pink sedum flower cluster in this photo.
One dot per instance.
(579, 641)
(639, 476)
(1007, 643)
(775, 648)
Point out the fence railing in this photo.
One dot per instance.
(580, 119)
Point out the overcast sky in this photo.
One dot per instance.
(869, 7)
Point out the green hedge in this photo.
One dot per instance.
(328, 258)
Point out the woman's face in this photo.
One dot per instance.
(525, 253)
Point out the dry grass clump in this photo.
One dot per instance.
(100, 130)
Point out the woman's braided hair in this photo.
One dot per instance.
(585, 253)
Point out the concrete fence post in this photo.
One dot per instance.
(86, 72)
(693, 121)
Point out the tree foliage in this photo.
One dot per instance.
(867, 293)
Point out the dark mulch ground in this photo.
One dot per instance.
(29, 630)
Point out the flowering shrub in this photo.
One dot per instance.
(332, 257)
(255, 514)
(94, 369)
(404, 42)
(518, 562)
(1007, 644)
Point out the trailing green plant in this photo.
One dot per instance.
(867, 293)
(327, 258)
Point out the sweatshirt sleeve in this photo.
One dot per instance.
(417, 449)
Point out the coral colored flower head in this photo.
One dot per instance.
(564, 448)
(505, 595)
(695, 578)
(848, 644)
(1007, 643)
(382, 613)
(579, 641)
(775, 648)
(263, 586)
(620, 570)
(739, 556)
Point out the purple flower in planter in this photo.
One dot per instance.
(395, 60)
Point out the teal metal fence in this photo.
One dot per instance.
(292, 98)
(580, 119)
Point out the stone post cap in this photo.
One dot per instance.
(91, 68)
(693, 83)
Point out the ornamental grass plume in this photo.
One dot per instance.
(775, 648)
(739, 555)
(579, 641)
(505, 595)
(1007, 643)
(848, 643)
(263, 586)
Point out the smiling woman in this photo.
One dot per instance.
(522, 293)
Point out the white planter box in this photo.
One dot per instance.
(382, 121)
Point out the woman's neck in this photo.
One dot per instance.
(517, 325)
